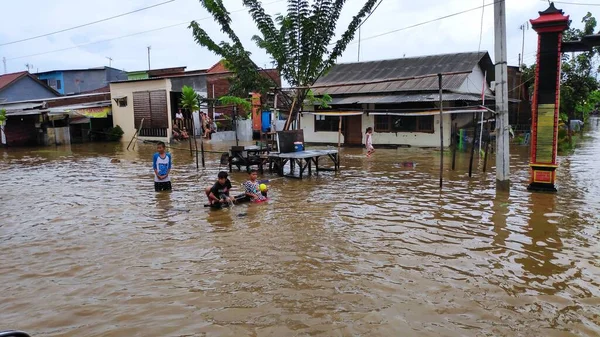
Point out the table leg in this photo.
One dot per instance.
(309, 162)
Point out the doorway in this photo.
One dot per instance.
(353, 130)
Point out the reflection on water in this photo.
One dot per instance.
(89, 249)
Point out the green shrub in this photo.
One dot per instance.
(115, 134)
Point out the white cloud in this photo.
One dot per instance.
(175, 46)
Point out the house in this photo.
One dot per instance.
(77, 81)
(399, 99)
(23, 86)
(156, 101)
(58, 120)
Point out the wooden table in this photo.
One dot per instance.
(249, 156)
(304, 160)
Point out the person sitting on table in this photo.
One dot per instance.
(219, 192)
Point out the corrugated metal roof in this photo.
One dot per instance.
(406, 98)
(347, 73)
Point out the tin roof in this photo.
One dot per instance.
(361, 72)
(6, 80)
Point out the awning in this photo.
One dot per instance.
(15, 113)
(91, 112)
(335, 113)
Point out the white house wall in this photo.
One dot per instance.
(307, 123)
(413, 139)
(475, 82)
(123, 116)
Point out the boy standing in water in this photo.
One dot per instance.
(161, 163)
(369, 142)
(219, 192)
(252, 187)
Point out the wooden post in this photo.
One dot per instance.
(135, 134)
(288, 122)
(235, 126)
(339, 133)
(454, 147)
(487, 145)
(473, 146)
(196, 144)
(441, 132)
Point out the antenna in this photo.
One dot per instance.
(109, 61)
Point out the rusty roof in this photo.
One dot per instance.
(363, 72)
(8, 79)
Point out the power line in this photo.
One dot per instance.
(370, 13)
(86, 24)
(124, 36)
(574, 3)
(426, 22)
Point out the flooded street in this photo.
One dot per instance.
(89, 249)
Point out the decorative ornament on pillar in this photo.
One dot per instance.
(546, 97)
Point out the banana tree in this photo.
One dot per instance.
(190, 100)
(297, 42)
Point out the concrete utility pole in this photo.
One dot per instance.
(149, 47)
(502, 127)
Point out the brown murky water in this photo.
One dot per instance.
(88, 249)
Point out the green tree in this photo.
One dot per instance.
(297, 42)
(190, 100)
(579, 71)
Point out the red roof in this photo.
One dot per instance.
(8, 79)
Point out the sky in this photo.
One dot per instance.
(125, 39)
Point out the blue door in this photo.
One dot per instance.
(266, 120)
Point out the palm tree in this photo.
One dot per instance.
(298, 43)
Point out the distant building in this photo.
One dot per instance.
(399, 99)
(77, 81)
(23, 86)
(162, 72)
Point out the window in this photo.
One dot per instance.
(58, 85)
(152, 107)
(327, 123)
(404, 124)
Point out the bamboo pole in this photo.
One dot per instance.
(441, 132)
(288, 122)
(135, 134)
(454, 146)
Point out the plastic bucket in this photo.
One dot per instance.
(298, 146)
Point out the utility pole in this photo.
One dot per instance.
(502, 127)
(523, 27)
(109, 61)
(149, 47)
(358, 59)
(4, 62)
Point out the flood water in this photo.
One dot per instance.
(89, 249)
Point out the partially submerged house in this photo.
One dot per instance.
(399, 99)
(58, 120)
(155, 100)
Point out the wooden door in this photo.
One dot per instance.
(353, 130)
